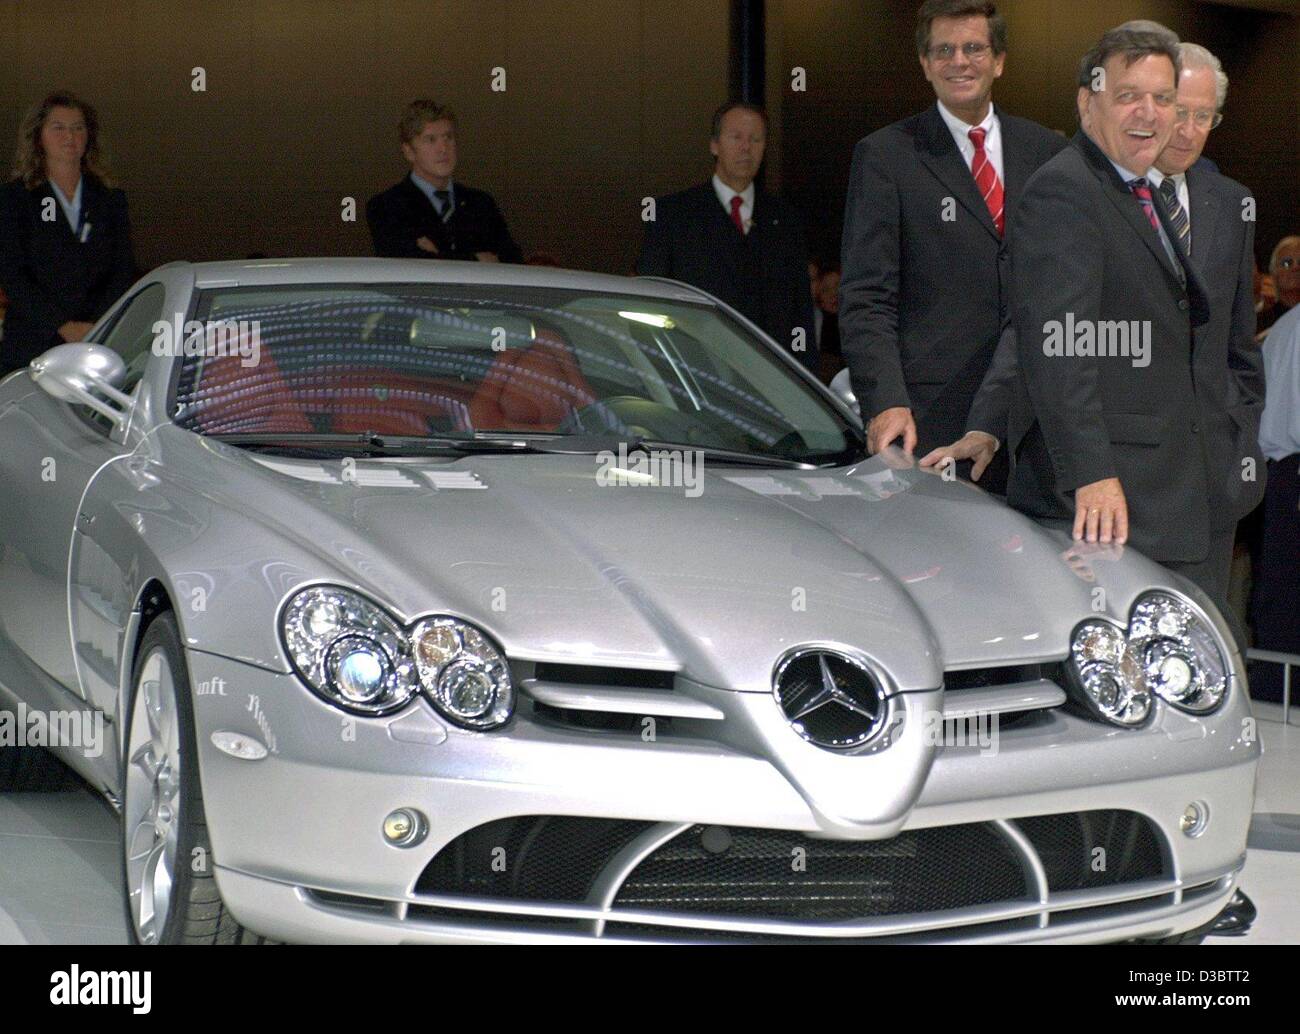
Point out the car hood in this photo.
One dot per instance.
(715, 581)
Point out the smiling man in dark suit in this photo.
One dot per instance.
(428, 214)
(926, 276)
(1145, 444)
(735, 240)
(1210, 216)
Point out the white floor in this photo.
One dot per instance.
(59, 867)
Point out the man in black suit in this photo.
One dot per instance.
(1137, 358)
(1206, 210)
(428, 214)
(739, 243)
(926, 284)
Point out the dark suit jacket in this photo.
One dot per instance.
(762, 274)
(49, 275)
(1229, 370)
(1227, 358)
(1083, 246)
(923, 298)
(402, 214)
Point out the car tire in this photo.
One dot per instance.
(35, 770)
(164, 830)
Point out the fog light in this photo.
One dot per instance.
(1196, 816)
(405, 827)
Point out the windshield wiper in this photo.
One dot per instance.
(369, 444)
(732, 457)
(499, 444)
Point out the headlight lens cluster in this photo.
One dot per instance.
(357, 657)
(1168, 651)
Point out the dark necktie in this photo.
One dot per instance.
(986, 178)
(444, 199)
(1142, 191)
(1177, 214)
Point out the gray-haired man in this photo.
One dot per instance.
(1212, 219)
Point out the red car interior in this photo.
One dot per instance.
(528, 389)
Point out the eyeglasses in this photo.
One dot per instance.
(1202, 119)
(1161, 100)
(946, 51)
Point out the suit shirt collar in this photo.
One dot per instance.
(725, 194)
(960, 129)
(71, 206)
(428, 189)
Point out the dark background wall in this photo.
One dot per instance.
(605, 103)
(863, 73)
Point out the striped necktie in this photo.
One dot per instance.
(1177, 214)
(1142, 191)
(986, 178)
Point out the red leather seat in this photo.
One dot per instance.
(386, 403)
(531, 389)
(233, 398)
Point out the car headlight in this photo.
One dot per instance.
(359, 658)
(1168, 650)
(348, 650)
(462, 672)
(1178, 652)
(1108, 673)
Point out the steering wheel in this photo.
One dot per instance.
(636, 416)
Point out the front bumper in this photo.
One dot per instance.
(299, 854)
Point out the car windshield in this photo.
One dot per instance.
(423, 360)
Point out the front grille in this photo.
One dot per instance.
(604, 721)
(761, 873)
(597, 675)
(1006, 675)
(1090, 849)
(533, 858)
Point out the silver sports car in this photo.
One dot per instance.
(427, 602)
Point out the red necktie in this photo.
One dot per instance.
(986, 178)
(1142, 190)
(736, 202)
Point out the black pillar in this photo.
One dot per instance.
(748, 51)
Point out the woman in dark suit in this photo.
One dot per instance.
(65, 238)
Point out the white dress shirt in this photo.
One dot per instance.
(71, 206)
(992, 139)
(725, 194)
(1279, 427)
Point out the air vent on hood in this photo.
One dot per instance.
(599, 675)
(615, 699)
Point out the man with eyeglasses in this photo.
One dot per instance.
(1150, 444)
(1284, 268)
(926, 268)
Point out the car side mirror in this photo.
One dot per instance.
(87, 375)
(843, 387)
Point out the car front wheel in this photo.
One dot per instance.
(170, 894)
